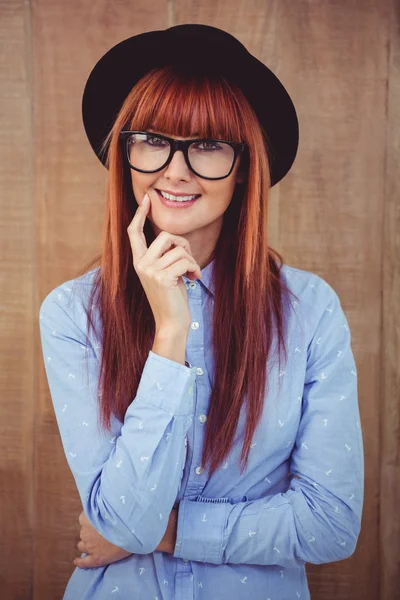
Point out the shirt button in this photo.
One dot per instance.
(199, 470)
(185, 560)
(203, 418)
(192, 285)
(199, 371)
(195, 325)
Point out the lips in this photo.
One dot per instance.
(195, 195)
(175, 204)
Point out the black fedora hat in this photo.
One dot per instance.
(200, 47)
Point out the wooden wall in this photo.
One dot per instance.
(337, 213)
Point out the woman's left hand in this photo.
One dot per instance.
(99, 550)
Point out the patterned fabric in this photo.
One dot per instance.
(300, 498)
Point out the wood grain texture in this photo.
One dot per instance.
(389, 515)
(17, 316)
(336, 213)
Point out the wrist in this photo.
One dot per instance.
(171, 344)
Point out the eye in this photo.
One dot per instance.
(155, 141)
(207, 146)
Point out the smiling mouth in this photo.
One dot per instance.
(177, 195)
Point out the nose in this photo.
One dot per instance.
(177, 168)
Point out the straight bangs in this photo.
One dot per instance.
(182, 104)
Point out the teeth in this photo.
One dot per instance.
(176, 198)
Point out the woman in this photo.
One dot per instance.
(206, 467)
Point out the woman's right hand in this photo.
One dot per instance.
(159, 269)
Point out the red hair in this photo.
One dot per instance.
(249, 294)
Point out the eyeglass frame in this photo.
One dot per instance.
(183, 145)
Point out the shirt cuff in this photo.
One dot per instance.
(168, 385)
(201, 528)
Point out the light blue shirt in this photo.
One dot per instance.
(238, 537)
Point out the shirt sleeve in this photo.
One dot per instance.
(318, 519)
(128, 478)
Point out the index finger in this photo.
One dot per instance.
(135, 229)
(141, 211)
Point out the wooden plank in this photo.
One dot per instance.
(17, 317)
(389, 515)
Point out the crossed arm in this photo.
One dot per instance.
(101, 552)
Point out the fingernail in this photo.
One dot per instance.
(146, 199)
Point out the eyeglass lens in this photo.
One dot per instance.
(209, 159)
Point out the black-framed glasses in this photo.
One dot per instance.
(149, 152)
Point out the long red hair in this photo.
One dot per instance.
(249, 294)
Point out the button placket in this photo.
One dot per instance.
(203, 418)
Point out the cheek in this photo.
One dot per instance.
(221, 193)
(142, 180)
(137, 182)
(215, 207)
(223, 196)
(140, 184)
